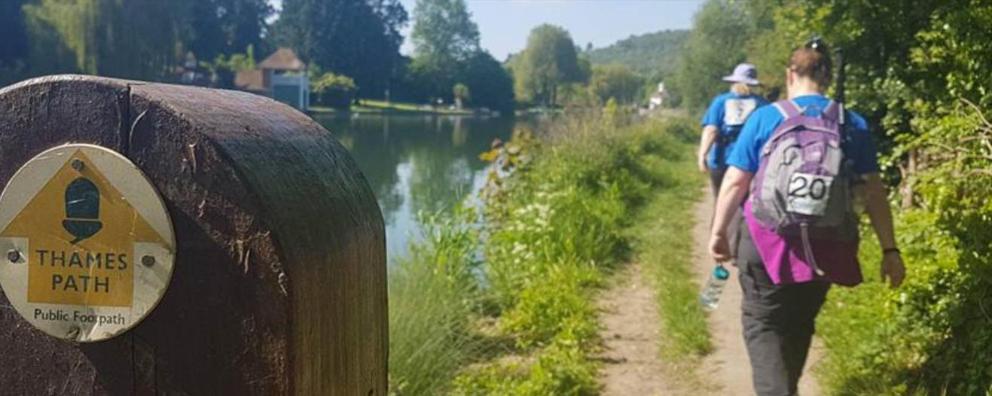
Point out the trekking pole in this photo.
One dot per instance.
(840, 75)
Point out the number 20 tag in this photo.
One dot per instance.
(808, 194)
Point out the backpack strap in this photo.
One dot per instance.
(788, 108)
(834, 111)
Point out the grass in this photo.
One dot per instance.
(664, 243)
(432, 293)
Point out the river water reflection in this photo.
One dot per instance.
(417, 163)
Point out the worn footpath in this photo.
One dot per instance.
(728, 365)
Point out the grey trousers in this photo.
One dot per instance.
(778, 322)
(716, 178)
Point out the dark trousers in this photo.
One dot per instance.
(716, 177)
(778, 322)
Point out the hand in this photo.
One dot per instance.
(701, 163)
(893, 269)
(720, 248)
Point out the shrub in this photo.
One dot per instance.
(333, 90)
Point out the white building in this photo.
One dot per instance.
(658, 98)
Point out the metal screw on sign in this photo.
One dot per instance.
(78, 165)
(13, 256)
(148, 261)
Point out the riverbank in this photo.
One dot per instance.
(558, 216)
(382, 107)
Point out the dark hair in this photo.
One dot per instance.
(813, 61)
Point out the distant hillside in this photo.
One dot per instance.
(652, 54)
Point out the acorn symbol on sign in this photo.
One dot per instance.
(82, 209)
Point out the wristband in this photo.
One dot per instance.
(891, 250)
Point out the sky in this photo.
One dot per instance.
(505, 24)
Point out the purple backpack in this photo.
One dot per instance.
(803, 183)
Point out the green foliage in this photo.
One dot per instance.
(444, 38)
(878, 338)
(616, 81)
(134, 39)
(715, 45)
(664, 242)
(461, 93)
(447, 52)
(139, 39)
(14, 46)
(333, 90)
(652, 55)
(432, 293)
(554, 225)
(488, 81)
(443, 32)
(357, 38)
(548, 62)
(220, 27)
(224, 68)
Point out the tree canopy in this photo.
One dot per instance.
(443, 32)
(549, 61)
(139, 39)
(715, 45)
(356, 38)
(616, 81)
(445, 39)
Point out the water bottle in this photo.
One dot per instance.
(710, 297)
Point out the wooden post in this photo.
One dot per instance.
(279, 282)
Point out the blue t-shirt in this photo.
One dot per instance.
(727, 113)
(859, 146)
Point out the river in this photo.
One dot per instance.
(417, 163)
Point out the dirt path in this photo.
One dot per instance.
(631, 364)
(729, 362)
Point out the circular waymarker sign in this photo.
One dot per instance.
(86, 244)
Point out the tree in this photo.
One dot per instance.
(617, 82)
(717, 43)
(461, 94)
(357, 38)
(548, 62)
(225, 27)
(444, 38)
(14, 43)
(130, 39)
(489, 82)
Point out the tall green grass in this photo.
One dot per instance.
(432, 302)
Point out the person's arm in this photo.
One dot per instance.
(732, 192)
(880, 214)
(705, 142)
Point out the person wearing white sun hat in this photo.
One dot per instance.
(723, 121)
